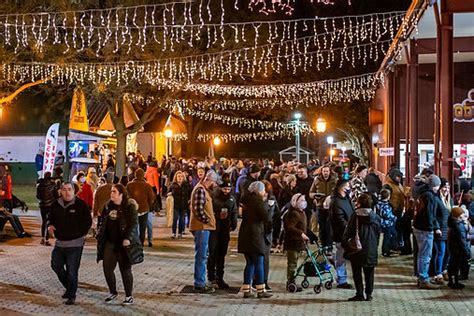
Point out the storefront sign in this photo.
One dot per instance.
(387, 151)
(50, 147)
(462, 112)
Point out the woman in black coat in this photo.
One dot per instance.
(251, 240)
(118, 241)
(367, 223)
(181, 191)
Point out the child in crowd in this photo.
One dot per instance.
(458, 247)
(388, 221)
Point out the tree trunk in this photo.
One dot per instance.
(120, 155)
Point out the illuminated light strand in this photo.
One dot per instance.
(275, 6)
(239, 137)
(138, 26)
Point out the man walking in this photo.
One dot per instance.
(202, 221)
(69, 221)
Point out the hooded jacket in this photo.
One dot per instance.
(340, 210)
(425, 218)
(252, 233)
(369, 232)
(457, 238)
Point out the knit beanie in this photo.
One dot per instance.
(434, 181)
(254, 168)
(257, 186)
(295, 199)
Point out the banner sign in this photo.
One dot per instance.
(462, 112)
(78, 119)
(387, 151)
(50, 146)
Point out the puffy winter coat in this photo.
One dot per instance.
(46, 192)
(252, 233)
(457, 238)
(295, 224)
(369, 232)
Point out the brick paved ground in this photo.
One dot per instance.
(28, 285)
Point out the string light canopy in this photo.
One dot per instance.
(284, 6)
(238, 137)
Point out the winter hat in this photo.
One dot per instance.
(394, 173)
(257, 186)
(340, 182)
(444, 182)
(296, 199)
(139, 173)
(254, 168)
(211, 175)
(225, 185)
(434, 181)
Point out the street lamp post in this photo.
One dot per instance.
(320, 128)
(330, 141)
(215, 142)
(168, 134)
(297, 135)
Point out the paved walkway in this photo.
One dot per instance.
(29, 286)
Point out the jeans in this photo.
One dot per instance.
(15, 223)
(149, 227)
(254, 269)
(340, 264)
(111, 258)
(439, 250)
(65, 263)
(218, 244)
(389, 240)
(142, 224)
(369, 279)
(178, 220)
(424, 240)
(44, 220)
(266, 263)
(201, 244)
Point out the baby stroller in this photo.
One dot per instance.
(315, 264)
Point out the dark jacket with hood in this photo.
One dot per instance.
(340, 210)
(442, 215)
(425, 216)
(457, 238)
(128, 222)
(273, 218)
(252, 233)
(220, 201)
(369, 232)
(72, 220)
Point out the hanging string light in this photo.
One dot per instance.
(275, 6)
(239, 137)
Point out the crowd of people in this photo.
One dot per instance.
(283, 207)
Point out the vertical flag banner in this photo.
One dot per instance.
(78, 119)
(50, 146)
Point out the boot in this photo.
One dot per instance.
(247, 291)
(261, 291)
(454, 283)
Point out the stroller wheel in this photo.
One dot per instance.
(305, 284)
(318, 288)
(291, 287)
(328, 285)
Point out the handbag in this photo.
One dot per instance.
(353, 244)
(135, 253)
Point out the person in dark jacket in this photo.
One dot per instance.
(303, 185)
(425, 226)
(373, 183)
(251, 241)
(288, 190)
(439, 244)
(295, 235)
(458, 246)
(252, 176)
(273, 218)
(47, 193)
(181, 191)
(340, 210)
(367, 223)
(225, 212)
(69, 221)
(118, 230)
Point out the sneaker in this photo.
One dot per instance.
(368, 298)
(204, 290)
(222, 284)
(128, 300)
(70, 301)
(173, 236)
(180, 236)
(386, 254)
(42, 241)
(427, 286)
(150, 244)
(445, 276)
(345, 286)
(47, 243)
(110, 298)
(356, 298)
(249, 294)
(438, 280)
(64, 295)
(268, 288)
(27, 235)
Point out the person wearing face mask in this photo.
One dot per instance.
(294, 224)
(225, 212)
(340, 210)
(251, 240)
(92, 179)
(85, 192)
(201, 222)
(357, 183)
